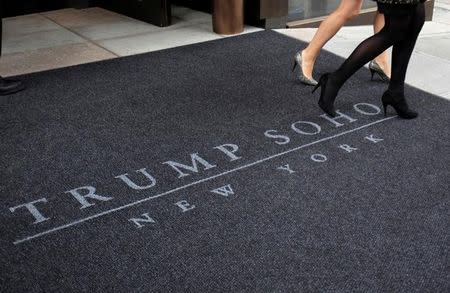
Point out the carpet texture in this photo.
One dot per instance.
(209, 168)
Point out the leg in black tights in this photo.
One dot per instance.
(395, 30)
(400, 31)
(402, 51)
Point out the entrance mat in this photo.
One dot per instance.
(210, 168)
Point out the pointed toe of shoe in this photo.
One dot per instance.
(329, 110)
(309, 81)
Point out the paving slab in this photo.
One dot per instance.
(120, 28)
(159, 40)
(27, 24)
(51, 58)
(438, 47)
(32, 32)
(441, 13)
(432, 28)
(429, 73)
(72, 18)
(39, 40)
(100, 24)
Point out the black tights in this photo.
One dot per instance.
(401, 32)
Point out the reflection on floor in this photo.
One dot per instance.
(67, 37)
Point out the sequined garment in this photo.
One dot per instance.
(395, 2)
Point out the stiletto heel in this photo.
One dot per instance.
(375, 68)
(298, 61)
(318, 85)
(326, 103)
(372, 72)
(398, 102)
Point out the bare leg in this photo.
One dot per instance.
(328, 28)
(383, 58)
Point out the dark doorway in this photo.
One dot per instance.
(21, 7)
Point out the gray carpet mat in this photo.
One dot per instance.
(210, 168)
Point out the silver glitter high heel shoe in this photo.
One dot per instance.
(374, 67)
(302, 77)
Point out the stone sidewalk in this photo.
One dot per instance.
(430, 64)
(66, 37)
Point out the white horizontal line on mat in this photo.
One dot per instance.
(28, 238)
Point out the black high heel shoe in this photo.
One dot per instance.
(10, 86)
(398, 102)
(326, 102)
(375, 68)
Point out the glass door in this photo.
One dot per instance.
(306, 9)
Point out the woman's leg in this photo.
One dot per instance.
(394, 31)
(383, 58)
(328, 28)
(402, 51)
